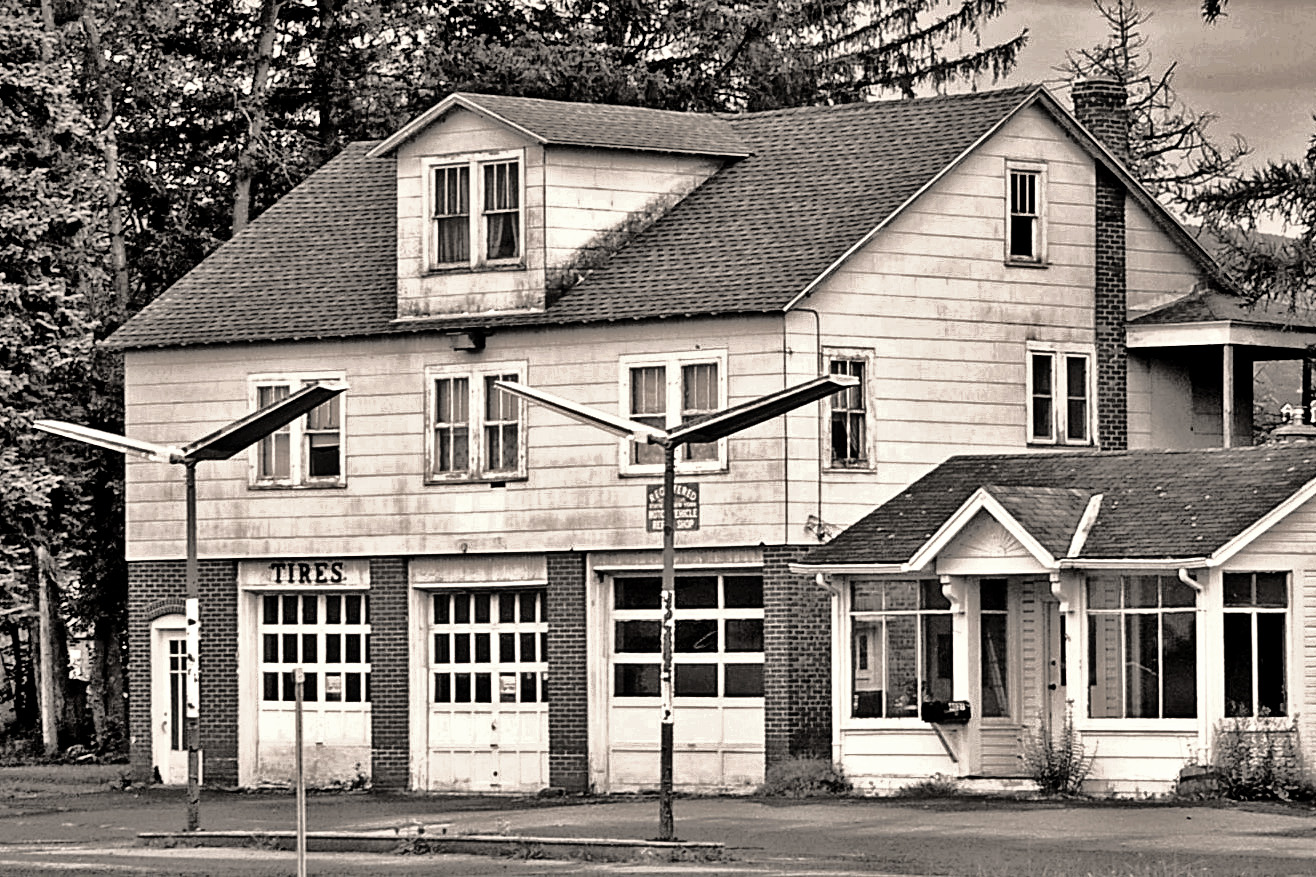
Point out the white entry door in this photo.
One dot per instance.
(168, 707)
(488, 707)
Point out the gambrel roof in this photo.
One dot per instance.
(759, 235)
(1199, 505)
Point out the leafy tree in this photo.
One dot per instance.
(1170, 148)
(51, 247)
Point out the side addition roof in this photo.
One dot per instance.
(1155, 504)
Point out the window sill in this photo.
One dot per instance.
(286, 485)
(1042, 445)
(482, 268)
(864, 469)
(1137, 726)
(1027, 263)
(491, 480)
(657, 471)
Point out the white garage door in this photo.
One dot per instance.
(488, 711)
(718, 678)
(328, 635)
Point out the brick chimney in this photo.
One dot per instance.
(1102, 106)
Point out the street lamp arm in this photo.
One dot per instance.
(739, 417)
(241, 434)
(111, 441)
(631, 429)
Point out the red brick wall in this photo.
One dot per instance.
(156, 588)
(797, 646)
(568, 697)
(390, 704)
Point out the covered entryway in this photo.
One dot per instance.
(168, 707)
(487, 713)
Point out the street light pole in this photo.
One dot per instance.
(666, 824)
(218, 445)
(192, 677)
(710, 428)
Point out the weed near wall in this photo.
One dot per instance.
(1056, 758)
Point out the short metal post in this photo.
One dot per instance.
(299, 688)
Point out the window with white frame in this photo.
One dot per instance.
(1060, 393)
(1142, 647)
(476, 431)
(477, 211)
(848, 422)
(1256, 642)
(718, 651)
(901, 646)
(1025, 228)
(994, 630)
(666, 392)
(305, 453)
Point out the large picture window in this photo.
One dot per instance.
(462, 237)
(305, 453)
(719, 636)
(901, 647)
(476, 431)
(1256, 642)
(1142, 647)
(666, 392)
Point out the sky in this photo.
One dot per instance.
(1255, 69)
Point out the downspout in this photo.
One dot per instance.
(818, 443)
(1189, 580)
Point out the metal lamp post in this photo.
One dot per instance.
(707, 429)
(218, 445)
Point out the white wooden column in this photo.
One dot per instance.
(1227, 393)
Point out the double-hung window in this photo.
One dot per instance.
(1256, 612)
(477, 211)
(476, 431)
(305, 453)
(1142, 647)
(848, 430)
(1025, 226)
(666, 391)
(1060, 393)
(901, 643)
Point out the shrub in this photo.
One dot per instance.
(1056, 758)
(804, 778)
(1260, 759)
(939, 785)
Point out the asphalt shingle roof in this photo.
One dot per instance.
(322, 261)
(1210, 307)
(1049, 514)
(608, 126)
(1156, 504)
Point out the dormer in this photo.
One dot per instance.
(499, 196)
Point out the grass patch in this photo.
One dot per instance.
(59, 779)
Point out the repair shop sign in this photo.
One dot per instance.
(686, 499)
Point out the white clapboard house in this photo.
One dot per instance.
(470, 583)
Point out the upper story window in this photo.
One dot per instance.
(305, 453)
(476, 431)
(1256, 614)
(1060, 393)
(666, 391)
(1142, 647)
(1025, 227)
(848, 424)
(476, 211)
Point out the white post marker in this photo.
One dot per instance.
(299, 683)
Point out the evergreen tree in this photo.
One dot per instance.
(1170, 148)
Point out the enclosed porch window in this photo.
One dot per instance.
(901, 647)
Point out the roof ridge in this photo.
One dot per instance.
(883, 102)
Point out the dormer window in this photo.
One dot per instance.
(491, 234)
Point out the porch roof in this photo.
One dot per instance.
(1212, 318)
(1155, 504)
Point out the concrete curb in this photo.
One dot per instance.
(511, 846)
